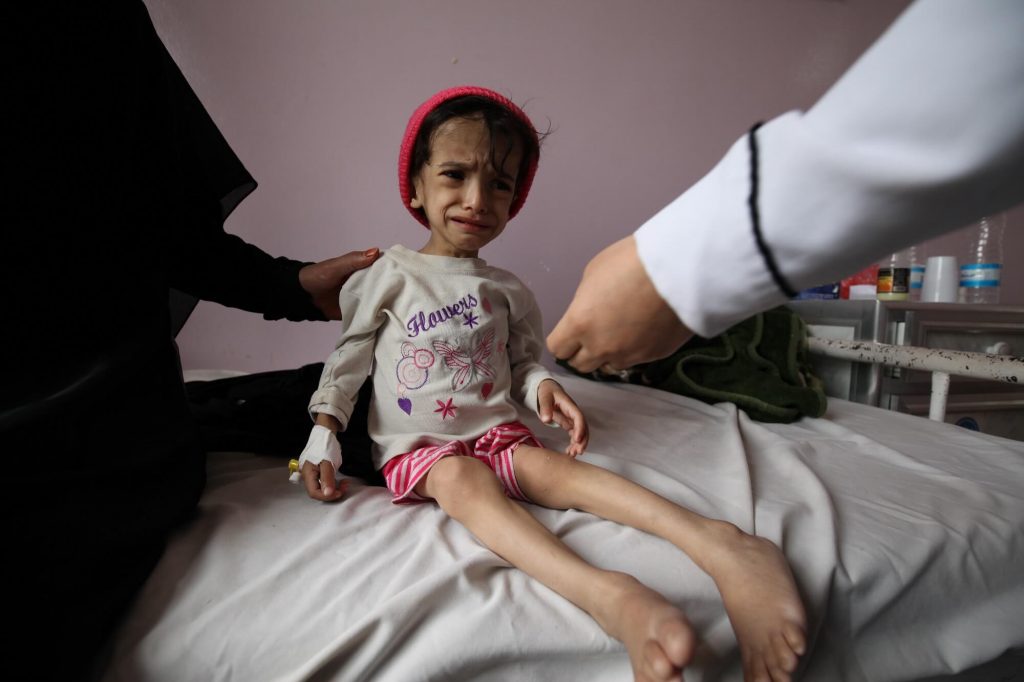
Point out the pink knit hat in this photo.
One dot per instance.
(413, 128)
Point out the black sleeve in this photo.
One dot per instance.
(210, 181)
(220, 267)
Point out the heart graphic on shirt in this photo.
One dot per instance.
(487, 305)
(486, 389)
(406, 405)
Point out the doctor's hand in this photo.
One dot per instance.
(323, 280)
(555, 406)
(617, 319)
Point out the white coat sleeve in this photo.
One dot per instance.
(923, 134)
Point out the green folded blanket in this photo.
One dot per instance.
(760, 365)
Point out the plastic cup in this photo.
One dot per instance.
(941, 280)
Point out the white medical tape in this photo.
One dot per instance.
(322, 444)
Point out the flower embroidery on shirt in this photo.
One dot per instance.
(412, 367)
(468, 364)
(412, 372)
(446, 409)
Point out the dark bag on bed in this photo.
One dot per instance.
(760, 365)
(265, 413)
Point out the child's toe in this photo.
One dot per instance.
(656, 663)
(784, 656)
(795, 637)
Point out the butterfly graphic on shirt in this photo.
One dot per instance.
(467, 365)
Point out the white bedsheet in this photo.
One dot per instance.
(906, 538)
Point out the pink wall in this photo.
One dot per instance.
(643, 98)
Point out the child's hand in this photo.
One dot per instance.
(319, 480)
(319, 461)
(555, 405)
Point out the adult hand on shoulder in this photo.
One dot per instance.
(617, 319)
(323, 280)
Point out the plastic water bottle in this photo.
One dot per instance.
(915, 256)
(981, 272)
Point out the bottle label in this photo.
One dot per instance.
(916, 277)
(979, 275)
(893, 280)
(825, 291)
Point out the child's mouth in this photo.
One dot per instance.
(471, 226)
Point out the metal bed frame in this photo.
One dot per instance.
(941, 363)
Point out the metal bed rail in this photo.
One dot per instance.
(941, 363)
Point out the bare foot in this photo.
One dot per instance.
(763, 604)
(658, 638)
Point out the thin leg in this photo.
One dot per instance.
(751, 573)
(657, 636)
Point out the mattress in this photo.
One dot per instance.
(906, 538)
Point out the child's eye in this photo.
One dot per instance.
(454, 174)
(502, 185)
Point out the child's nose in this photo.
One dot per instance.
(475, 197)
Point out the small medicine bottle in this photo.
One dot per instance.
(894, 278)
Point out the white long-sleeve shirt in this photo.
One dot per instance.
(924, 133)
(452, 343)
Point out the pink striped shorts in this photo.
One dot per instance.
(494, 448)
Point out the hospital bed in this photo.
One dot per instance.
(906, 537)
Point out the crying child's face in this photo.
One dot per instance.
(464, 193)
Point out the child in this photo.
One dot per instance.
(451, 341)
